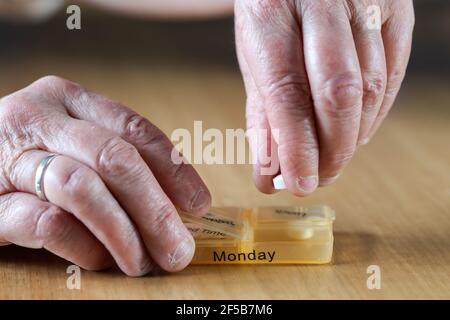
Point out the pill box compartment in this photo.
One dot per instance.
(265, 235)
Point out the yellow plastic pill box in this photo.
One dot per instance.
(263, 235)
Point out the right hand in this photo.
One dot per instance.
(112, 191)
(319, 80)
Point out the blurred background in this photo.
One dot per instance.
(189, 69)
(114, 37)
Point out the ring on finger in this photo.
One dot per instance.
(40, 173)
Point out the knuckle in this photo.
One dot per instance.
(52, 225)
(292, 89)
(75, 182)
(73, 92)
(373, 85)
(116, 157)
(65, 90)
(51, 81)
(339, 96)
(139, 130)
(163, 219)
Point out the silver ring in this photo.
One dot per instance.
(39, 178)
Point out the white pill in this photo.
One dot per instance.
(278, 182)
(301, 233)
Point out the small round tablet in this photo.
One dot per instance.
(301, 233)
(278, 182)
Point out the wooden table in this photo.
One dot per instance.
(392, 202)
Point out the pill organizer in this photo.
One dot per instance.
(263, 235)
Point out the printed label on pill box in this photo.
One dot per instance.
(226, 221)
(294, 213)
(199, 232)
(297, 213)
(220, 220)
(203, 233)
(254, 255)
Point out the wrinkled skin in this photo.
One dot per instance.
(312, 70)
(112, 192)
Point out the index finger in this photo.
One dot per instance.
(270, 41)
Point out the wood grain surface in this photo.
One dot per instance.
(392, 202)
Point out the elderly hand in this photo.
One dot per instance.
(323, 76)
(111, 191)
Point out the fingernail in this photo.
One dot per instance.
(307, 184)
(184, 251)
(327, 180)
(199, 200)
(147, 267)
